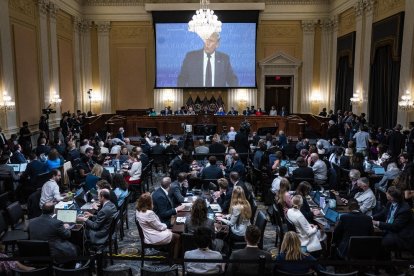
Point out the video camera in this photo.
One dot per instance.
(48, 110)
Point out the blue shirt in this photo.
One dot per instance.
(121, 195)
(53, 164)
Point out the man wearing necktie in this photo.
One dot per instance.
(396, 220)
(207, 67)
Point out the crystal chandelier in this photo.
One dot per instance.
(406, 103)
(204, 22)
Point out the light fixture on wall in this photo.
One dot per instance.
(406, 103)
(316, 97)
(356, 98)
(7, 104)
(204, 23)
(55, 99)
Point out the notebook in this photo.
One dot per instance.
(66, 215)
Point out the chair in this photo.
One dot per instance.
(261, 222)
(113, 237)
(16, 216)
(284, 273)
(33, 209)
(36, 272)
(33, 248)
(143, 244)
(124, 217)
(364, 248)
(187, 242)
(158, 270)
(85, 270)
(10, 237)
(326, 273)
(159, 160)
(41, 179)
(281, 228)
(117, 271)
(4, 201)
(254, 209)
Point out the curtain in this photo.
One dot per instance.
(172, 97)
(383, 88)
(344, 84)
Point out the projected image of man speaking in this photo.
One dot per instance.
(207, 67)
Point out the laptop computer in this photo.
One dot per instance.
(379, 170)
(16, 167)
(291, 169)
(66, 215)
(23, 167)
(330, 217)
(110, 169)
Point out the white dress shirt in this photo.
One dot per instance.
(213, 67)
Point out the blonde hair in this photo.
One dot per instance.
(291, 247)
(97, 170)
(284, 187)
(297, 201)
(238, 198)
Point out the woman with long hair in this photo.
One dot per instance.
(53, 160)
(291, 251)
(283, 198)
(93, 177)
(155, 232)
(303, 190)
(309, 234)
(240, 212)
(120, 188)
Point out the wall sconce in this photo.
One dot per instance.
(55, 99)
(168, 98)
(96, 97)
(7, 104)
(316, 97)
(406, 103)
(355, 98)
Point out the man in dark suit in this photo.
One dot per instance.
(3, 140)
(207, 67)
(163, 205)
(97, 226)
(351, 224)
(28, 177)
(216, 147)
(396, 141)
(233, 112)
(166, 111)
(235, 181)
(18, 156)
(178, 189)
(250, 252)
(303, 171)
(42, 148)
(237, 167)
(396, 220)
(212, 171)
(46, 228)
(410, 141)
(223, 195)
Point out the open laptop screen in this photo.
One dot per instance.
(16, 167)
(331, 215)
(66, 215)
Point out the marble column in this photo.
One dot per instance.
(104, 65)
(54, 72)
(333, 61)
(86, 61)
(77, 63)
(308, 28)
(366, 62)
(407, 58)
(9, 123)
(325, 62)
(44, 51)
(359, 10)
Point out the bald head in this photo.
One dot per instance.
(48, 208)
(314, 157)
(166, 182)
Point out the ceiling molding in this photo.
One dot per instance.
(195, 6)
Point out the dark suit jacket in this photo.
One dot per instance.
(235, 112)
(33, 169)
(248, 253)
(224, 200)
(239, 167)
(98, 225)
(46, 228)
(166, 112)
(302, 172)
(177, 193)
(3, 142)
(163, 206)
(211, 172)
(18, 158)
(191, 74)
(241, 143)
(42, 149)
(217, 148)
(349, 225)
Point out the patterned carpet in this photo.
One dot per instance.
(131, 245)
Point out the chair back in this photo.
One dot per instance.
(141, 234)
(364, 247)
(187, 242)
(254, 209)
(4, 198)
(41, 179)
(33, 248)
(3, 225)
(85, 270)
(159, 271)
(33, 209)
(36, 272)
(15, 213)
(117, 271)
(261, 222)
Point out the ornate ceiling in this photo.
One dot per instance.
(142, 2)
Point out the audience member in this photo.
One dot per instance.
(120, 188)
(390, 174)
(231, 135)
(178, 189)
(283, 198)
(50, 190)
(155, 232)
(365, 197)
(18, 156)
(276, 182)
(303, 171)
(213, 171)
(201, 148)
(223, 195)
(251, 251)
(303, 190)
(163, 205)
(319, 169)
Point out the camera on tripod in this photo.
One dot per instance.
(47, 111)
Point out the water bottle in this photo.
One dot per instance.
(118, 166)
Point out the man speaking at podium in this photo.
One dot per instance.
(207, 67)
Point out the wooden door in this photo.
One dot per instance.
(277, 96)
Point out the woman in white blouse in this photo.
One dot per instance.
(155, 232)
(240, 213)
(134, 174)
(309, 234)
